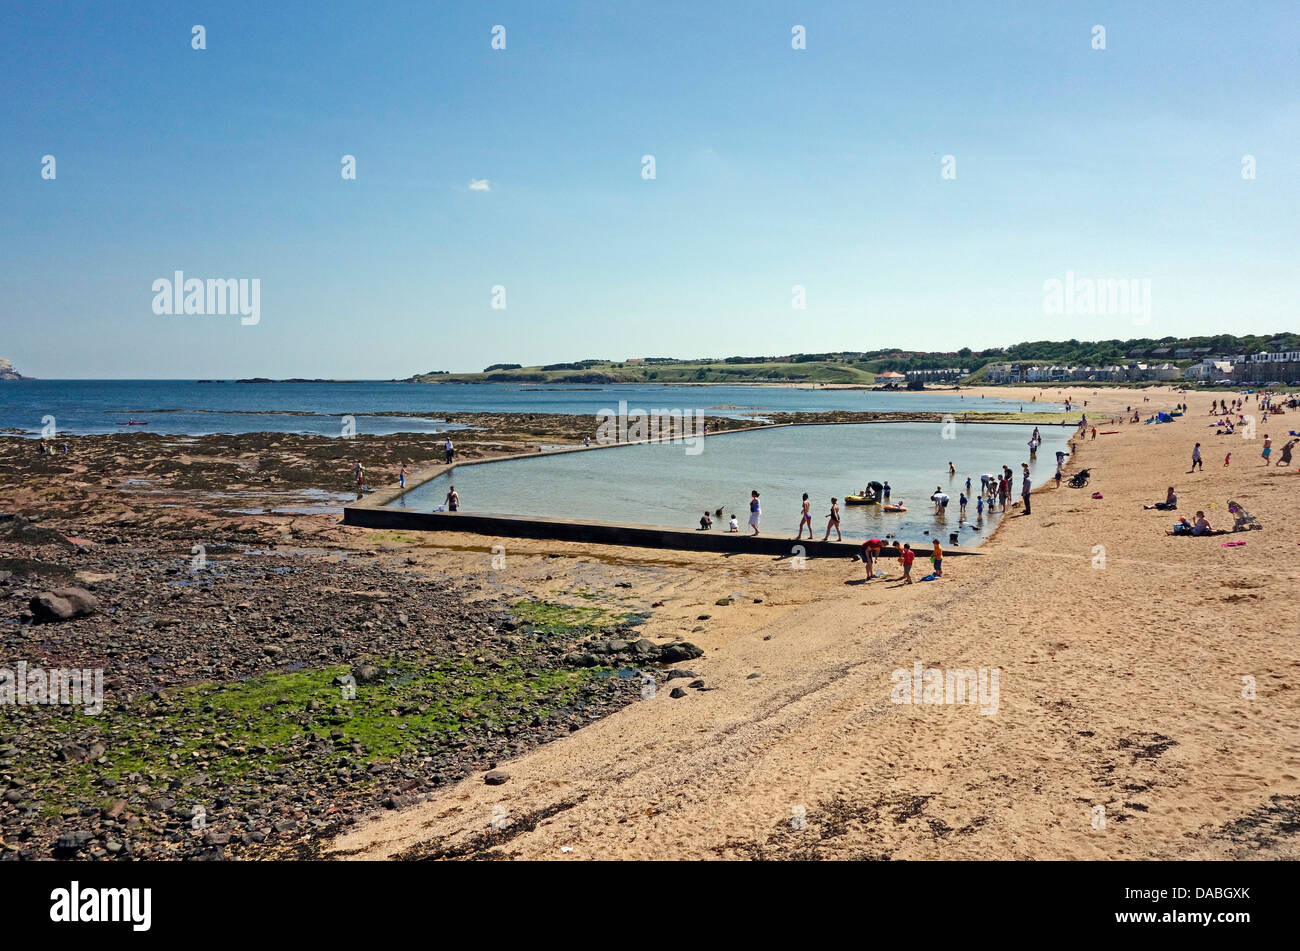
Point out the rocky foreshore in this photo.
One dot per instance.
(254, 703)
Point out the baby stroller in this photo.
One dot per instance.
(1080, 478)
(1244, 520)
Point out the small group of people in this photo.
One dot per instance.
(1266, 452)
(706, 521)
(873, 548)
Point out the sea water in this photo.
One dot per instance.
(187, 407)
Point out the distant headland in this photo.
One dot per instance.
(1127, 361)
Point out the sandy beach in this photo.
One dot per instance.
(1120, 683)
(1121, 686)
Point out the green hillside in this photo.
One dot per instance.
(861, 367)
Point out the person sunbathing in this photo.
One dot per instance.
(1169, 504)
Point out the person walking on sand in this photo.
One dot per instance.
(1025, 488)
(1268, 448)
(1196, 458)
(360, 471)
(1285, 458)
(401, 477)
(833, 521)
(453, 500)
(755, 513)
(905, 558)
(449, 450)
(805, 518)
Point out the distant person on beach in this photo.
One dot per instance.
(937, 557)
(1169, 504)
(755, 513)
(360, 472)
(1196, 458)
(833, 521)
(1285, 458)
(706, 523)
(453, 500)
(401, 476)
(586, 441)
(1058, 477)
(1268, 448)
(961, 500)
(1025, 488)
(968, 485)
(733, 525)
(1202, 525)
(805, 518)
(449, 449)
(979, 507)
(952, 470)
(886, 493)
(1227, 460)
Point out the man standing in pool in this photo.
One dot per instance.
(754, 511)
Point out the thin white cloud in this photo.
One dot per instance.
(479, 185)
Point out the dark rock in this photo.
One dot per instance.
(677, 693)
(74, 841)
(680, 650)
(496, 777)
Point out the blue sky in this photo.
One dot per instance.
(775, 167)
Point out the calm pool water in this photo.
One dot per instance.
(660, 484)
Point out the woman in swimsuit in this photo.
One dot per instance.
(833, 521)
(805, 518)
(754, 511)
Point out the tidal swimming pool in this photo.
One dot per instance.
(661, 484)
